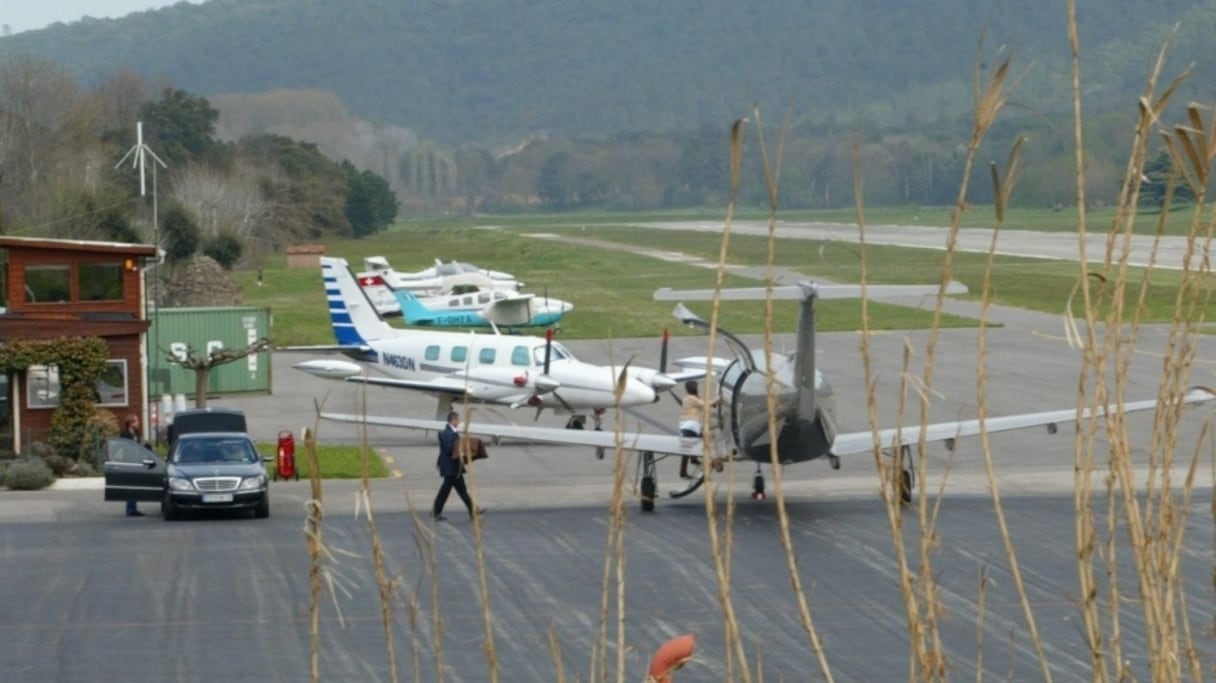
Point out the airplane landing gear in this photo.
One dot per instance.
(649, 481)
(758, 485)
(576, 422)
(834, 461)
(905, 486)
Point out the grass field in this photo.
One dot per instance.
(612, 291)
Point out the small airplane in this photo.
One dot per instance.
(379, 280)
(495, 308)
(517, 371)
(805, 410)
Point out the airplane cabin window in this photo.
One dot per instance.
(454, 302)
(486, 356)
(519, 356)
(460, 354)
(432, 352)
(468, 301)
(483, 298)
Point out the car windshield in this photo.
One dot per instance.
(214, 450)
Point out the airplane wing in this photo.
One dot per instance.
(658, 443)
(845, 444)
(863, 442)
(512, 311)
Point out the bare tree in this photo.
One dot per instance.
(202, 365)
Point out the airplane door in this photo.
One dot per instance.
(133, 471)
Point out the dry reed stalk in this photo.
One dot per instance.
(1002, 192)
(312, 532)
(734, 652)
(384, 583)
(614, 554)
(772, 183)
(483, 586)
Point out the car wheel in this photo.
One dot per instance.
(263, 509)
(167, 509)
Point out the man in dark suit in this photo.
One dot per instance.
(451, 469)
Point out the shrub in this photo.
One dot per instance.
(225, 248)
(28, 474)
(59, 465)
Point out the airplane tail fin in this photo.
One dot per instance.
(413, 310)
(808, 293)
(354, 318)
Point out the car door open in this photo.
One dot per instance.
(133, 471)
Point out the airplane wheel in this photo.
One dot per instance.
(834, 461)
(649, 481)
(758, 487)
(905, 487)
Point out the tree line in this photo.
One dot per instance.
(60, 176)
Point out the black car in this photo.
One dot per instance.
(204, 471)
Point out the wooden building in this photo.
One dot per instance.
(71, 288)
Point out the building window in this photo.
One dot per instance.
(112, 385)
(42, 386)
(100, 281)
(47, 284)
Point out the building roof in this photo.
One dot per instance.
(11, 242)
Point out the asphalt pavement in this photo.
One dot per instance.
(91, 595)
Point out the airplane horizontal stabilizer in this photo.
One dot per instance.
(804, 289)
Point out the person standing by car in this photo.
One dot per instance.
(130, 430)
(451, 469)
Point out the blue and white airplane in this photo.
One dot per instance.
(518, 371)
(493, 308)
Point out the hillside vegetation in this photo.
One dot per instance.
(486, 72)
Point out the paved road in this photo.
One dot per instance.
(90, 595)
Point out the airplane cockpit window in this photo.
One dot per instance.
(499, 295)
(556, 352)
(465, 267)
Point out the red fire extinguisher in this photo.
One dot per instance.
(285, 463)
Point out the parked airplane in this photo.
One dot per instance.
(496, 308)
(379, 280)
(805, 411)
(511, 370)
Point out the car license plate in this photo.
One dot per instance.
(217, 497)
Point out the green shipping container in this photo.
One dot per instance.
(174, 330)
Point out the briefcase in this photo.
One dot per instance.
(471, 448)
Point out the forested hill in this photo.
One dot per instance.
(472, 70)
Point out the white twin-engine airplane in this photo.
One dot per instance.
(490, 368)
(805, 410)
(379, 281)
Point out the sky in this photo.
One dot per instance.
(27, 15)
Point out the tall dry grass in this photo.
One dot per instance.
(1117, 511)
